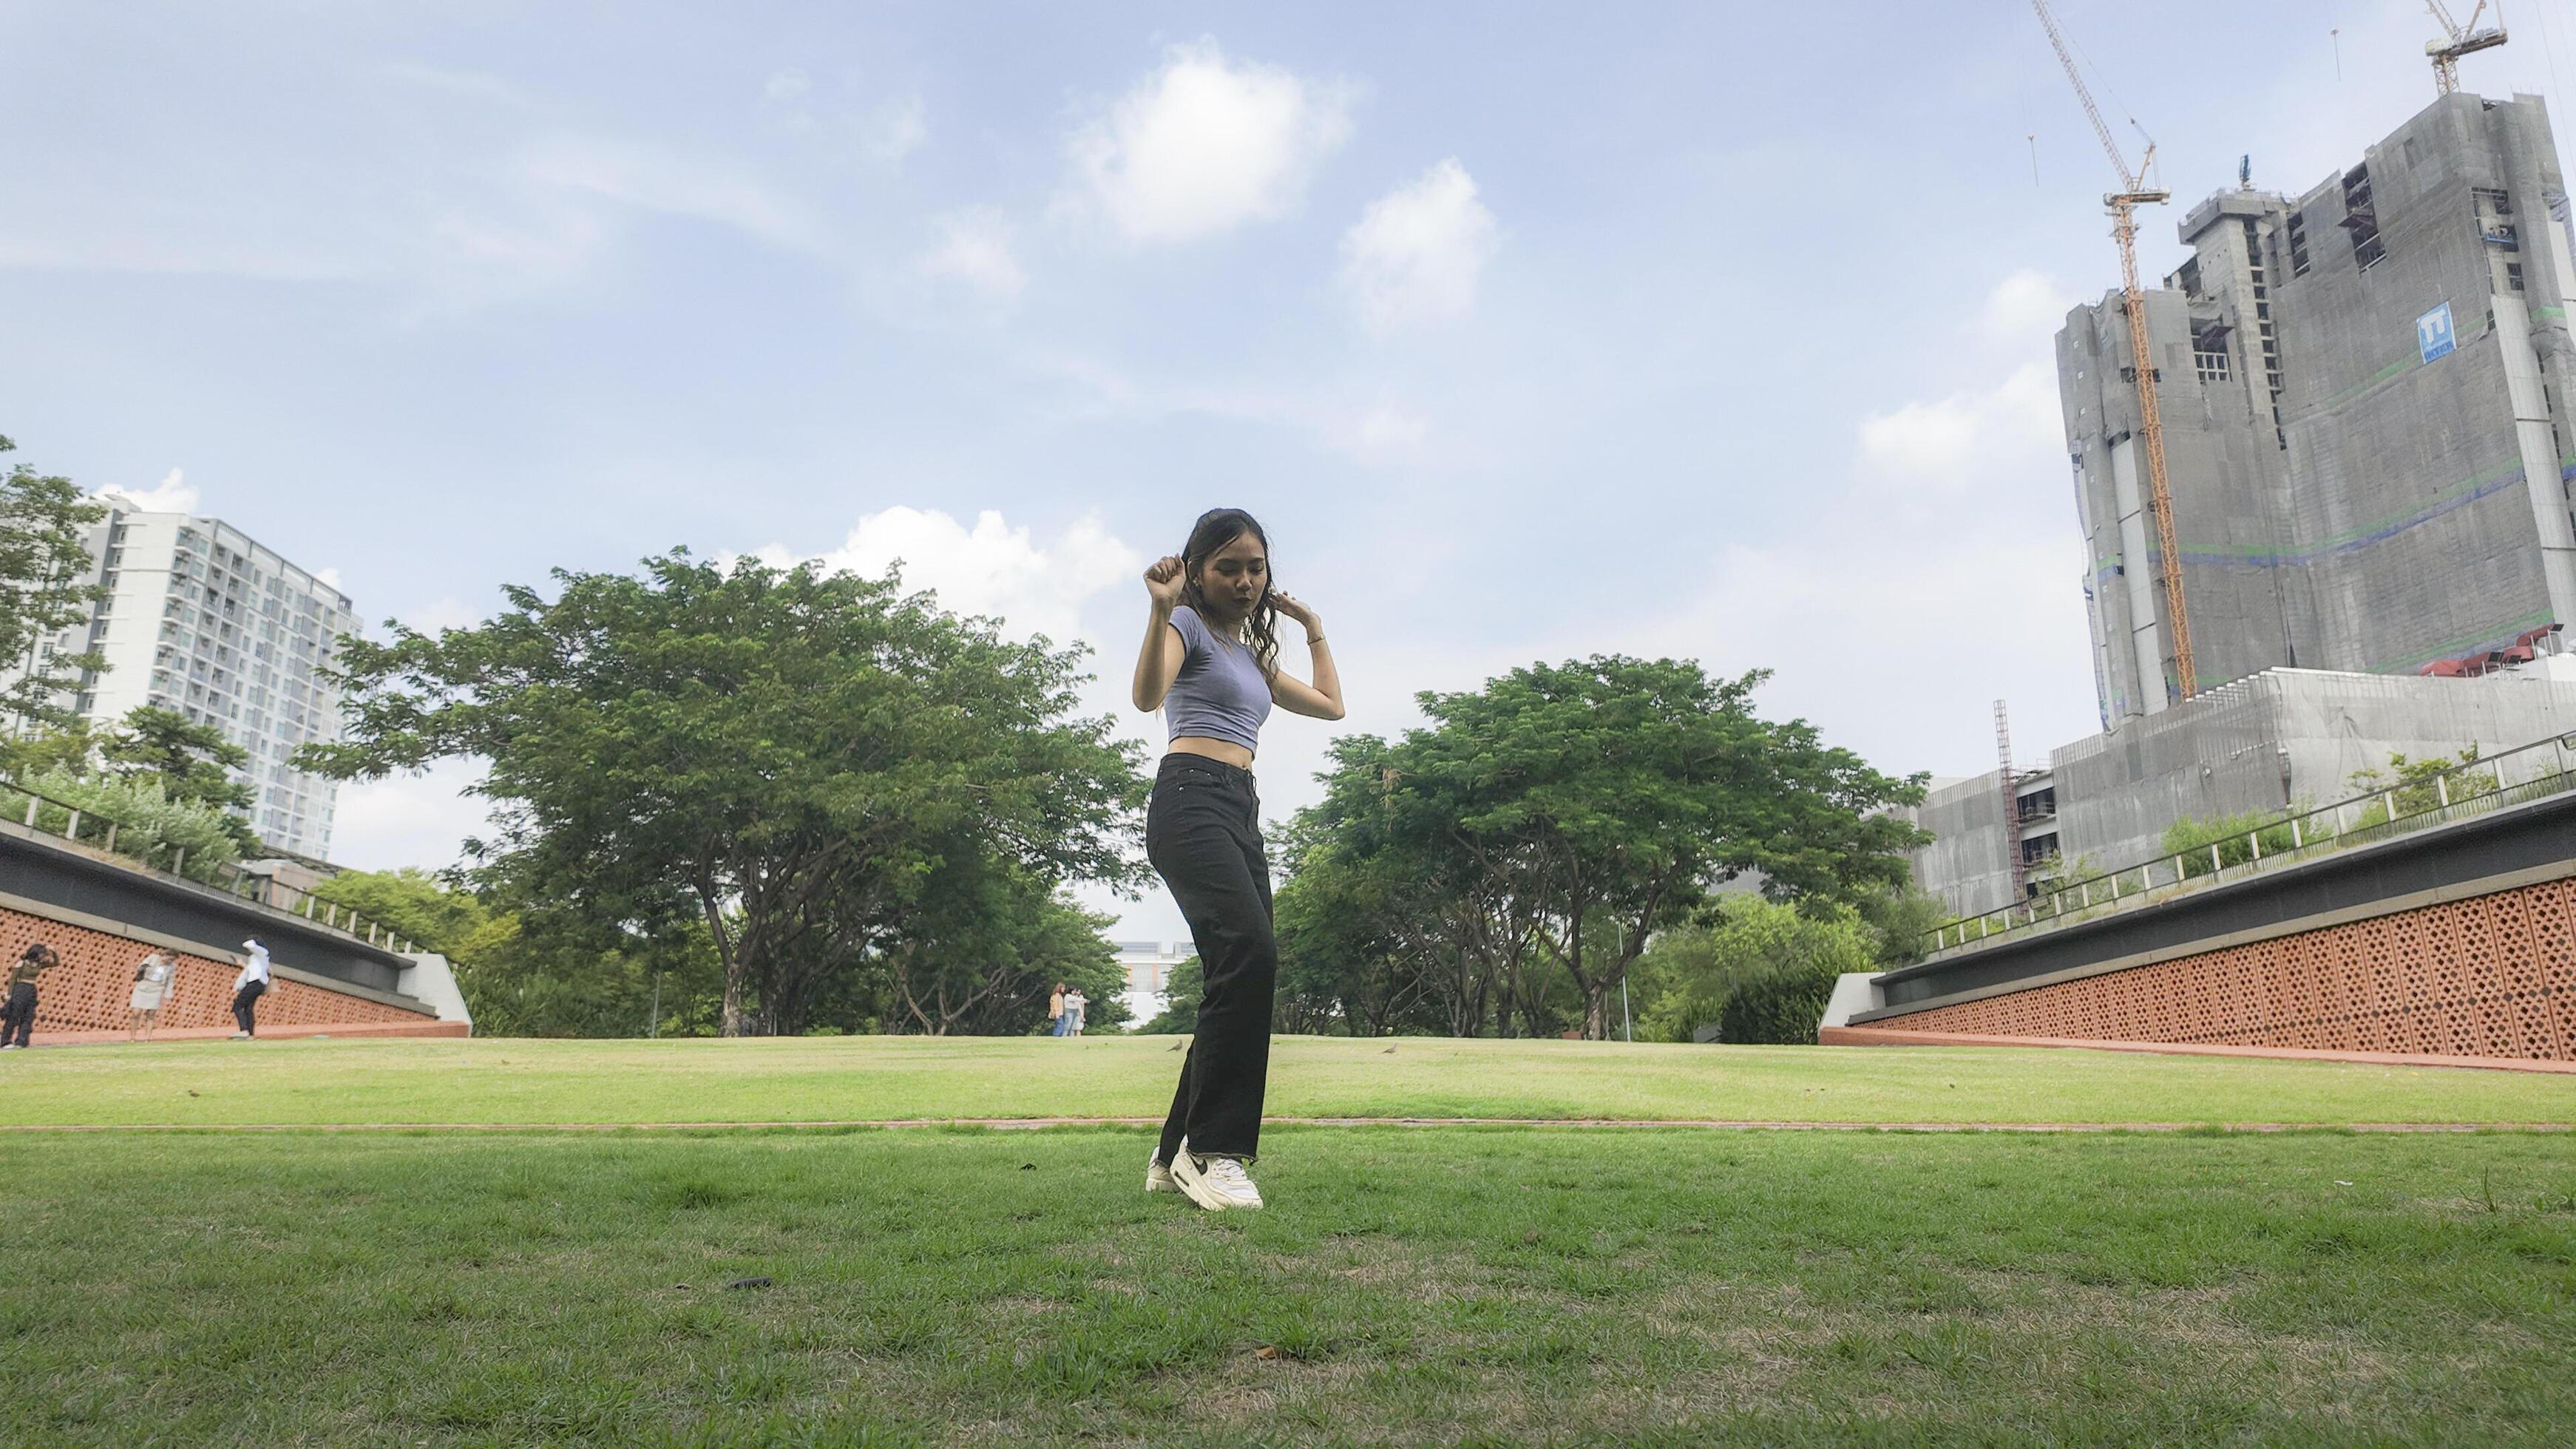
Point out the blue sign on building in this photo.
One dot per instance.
(2433, 335)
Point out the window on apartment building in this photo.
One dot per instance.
(2361, 219)
(2513, 275)
(2298, 244)
(2212, 366)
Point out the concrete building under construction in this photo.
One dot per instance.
(2366, 426)
(2364, 419)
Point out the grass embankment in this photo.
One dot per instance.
(1459, 1285)
(874, 1078)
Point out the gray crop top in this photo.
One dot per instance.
(1220, 693)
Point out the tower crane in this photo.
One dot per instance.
(2464, 39)
(2123, 203)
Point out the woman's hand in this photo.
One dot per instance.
(1290, 606)
(1163, 581)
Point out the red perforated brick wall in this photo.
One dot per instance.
(2491, 976)
(93, 988)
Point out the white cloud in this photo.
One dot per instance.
(1203, 145)
(2028, 306)
(447, 613)
(974, 248)
(1414, 255)
(897, 128)
(654, 179)
(991, 569)
(330, 578)
(1382, 432)
(788, 85)
(1895, 646)
(173, 495)
(1368, 432)
(416, 820)
(1955, 442)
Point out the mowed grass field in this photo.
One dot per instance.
(1548, 1284)
(847, 1079)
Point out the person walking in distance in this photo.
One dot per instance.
(1058, 1024)
(248, 988)
(1211, 662)
(151, 988)
(18, 1017)
(1074, 1005)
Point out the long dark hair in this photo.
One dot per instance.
(1215, 529)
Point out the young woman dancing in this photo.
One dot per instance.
(1211, 661)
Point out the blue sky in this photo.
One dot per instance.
(1530, 331)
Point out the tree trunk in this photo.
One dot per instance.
(736, 970)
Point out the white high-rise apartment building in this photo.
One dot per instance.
(202, 620)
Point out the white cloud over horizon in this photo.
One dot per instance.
(2027, 306)
(1414, 256)
(173, 494)
(974, 249)
(1032, 586)
(1203, 145)
(1953, 443)
(410, 819)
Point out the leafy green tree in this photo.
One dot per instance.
(66, 748)
(1381, 888)
(544, 975)
(1899, 919)
(414, 904)
(1597, 802)
(769, 758)
(192, 761)
(45, 588)
(984, 946)
(1181, 992)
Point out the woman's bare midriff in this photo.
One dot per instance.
(1224, 752)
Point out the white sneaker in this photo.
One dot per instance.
(9, 1047)
(1158, 1175)
(1215, 1183)
(241, 1036)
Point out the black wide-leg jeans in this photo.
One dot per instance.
(1203, 834)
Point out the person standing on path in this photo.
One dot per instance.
(151, 988)
(1075, 1003)
(18, 1017)
(248, 988)
(1211, 662)
(1059, 1024)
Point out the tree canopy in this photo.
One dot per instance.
(1503, 866)
(806, 769)
(45, 588)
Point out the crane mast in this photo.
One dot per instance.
(2123, 205)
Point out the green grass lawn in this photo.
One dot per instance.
(875, 1078)
(1451, 1285)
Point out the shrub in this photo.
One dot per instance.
(2414, 786)
(150, 826)
(2191, 839)
(1691, 977)
(1782, 1007)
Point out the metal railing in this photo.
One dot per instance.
(2527, 772)
(225, 876)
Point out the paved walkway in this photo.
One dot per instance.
(1030, 1124)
